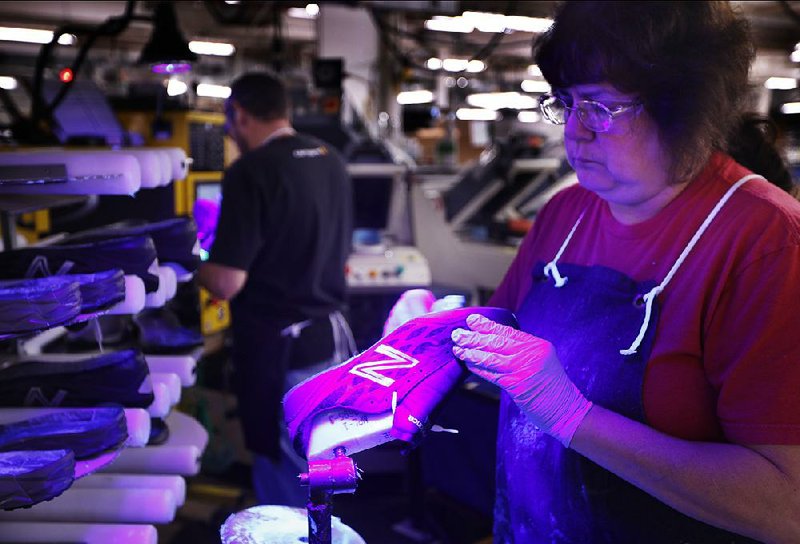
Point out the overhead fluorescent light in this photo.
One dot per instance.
(475, 66)
(485, 22)
(449, 24)
(176, 87)
(529, 117)
(781, 83)
(33, 35)
(535, 86)
(790, 108)
(217, 49)
(519, 23)
(476, 114)
(498, 101)
(414, 97)
(434, 64)
(534, 70)
(309, 12)
(213, 91)
(8, 83)
(455, 65)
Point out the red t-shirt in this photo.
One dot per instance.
(725, 364)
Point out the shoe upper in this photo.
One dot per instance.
(133, 254)
(408, 373)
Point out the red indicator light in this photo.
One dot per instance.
(65, 75)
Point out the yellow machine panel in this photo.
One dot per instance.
(202, 136)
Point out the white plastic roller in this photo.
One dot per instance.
(88, 172)
(87, 533)
(101, 506)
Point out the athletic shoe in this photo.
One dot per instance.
(30, 477)
(175, 239)
(100, 291)
(76, 381)
(86, 432)
(133, 254)
(28, 306)
(104, 330)
(387, 392)
(160, 332)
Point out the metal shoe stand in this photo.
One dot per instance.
(324, 479)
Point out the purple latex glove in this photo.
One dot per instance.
(206, 214)
(528, 369)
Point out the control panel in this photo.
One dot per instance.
(399, 265)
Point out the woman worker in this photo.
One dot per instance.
(653, 391)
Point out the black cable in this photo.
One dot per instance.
(40, 109)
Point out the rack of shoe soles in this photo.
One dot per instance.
(69, 418)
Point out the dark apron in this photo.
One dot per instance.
(262, 354)
(549, 494)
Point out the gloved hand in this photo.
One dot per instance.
(528, 369)
(206, 215)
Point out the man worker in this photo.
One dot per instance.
(282, 240)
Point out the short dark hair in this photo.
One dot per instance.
(261, 94)
(686, 60)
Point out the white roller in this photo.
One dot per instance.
(184, 430)
(182, 365)
(172, 382)
(86, 533)
(101, 506)
(180, 162)
(162, 401)
(174, 484)
(182, 275)
(166, 165)
(134, 297)
(170, 279)
(158, 298)
(164, 459)
(90, 172)
(153, 169)
(137, 419)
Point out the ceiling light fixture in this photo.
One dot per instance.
(419, 96)
(33, 35)
(311, 11)
(8, 83)
(449, 24)
(167, 51)
(210, 90)
(176, 87)
(498, 101)
(790, 108)
(781, 83)
(476, 114)
(488, 22)
(217, 49)
(529, 117)
(433, 64)
(535, 86)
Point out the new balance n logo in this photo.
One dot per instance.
(396, 359)
(35, 397)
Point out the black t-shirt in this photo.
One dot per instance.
(286, 219)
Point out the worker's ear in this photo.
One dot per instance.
(239, 114)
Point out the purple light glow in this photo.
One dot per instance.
(171, 68)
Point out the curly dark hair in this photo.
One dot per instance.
(688, 62)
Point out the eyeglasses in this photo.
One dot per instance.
(592, 115)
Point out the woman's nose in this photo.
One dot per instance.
(574, 129)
